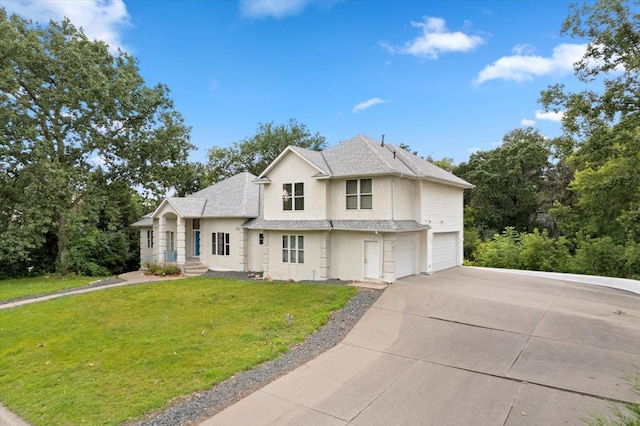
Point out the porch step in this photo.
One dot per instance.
(194, 268)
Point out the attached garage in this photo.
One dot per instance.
(445, 250)
(406, 254)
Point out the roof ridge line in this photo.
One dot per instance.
(377, 154)
(402, 161)
(326, 162)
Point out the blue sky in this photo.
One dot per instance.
(445, 77)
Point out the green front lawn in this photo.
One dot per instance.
(112, 355)
(20, 287)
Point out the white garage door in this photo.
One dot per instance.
(405, 255)
(445, 250)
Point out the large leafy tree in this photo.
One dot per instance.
(603, 119)
(74, 119)
(508, 180)
(255, 153)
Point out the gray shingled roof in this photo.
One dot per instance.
(364, 156)
(188, 207)
(146, 221)
(237, 196)
(298, 225)
(339, 225)
(378, 225)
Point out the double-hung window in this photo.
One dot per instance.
(149, 239)
(293, 248)
(293, 196)
(220, 243)
(359, 194)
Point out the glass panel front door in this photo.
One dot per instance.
(196, 243)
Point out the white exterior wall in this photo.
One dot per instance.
(255, 250)
(237, 259)
(146, 253)
(348, 251)
(441, 209)
(404, 201)
(292, 169)
(311, 269)
(393, 198)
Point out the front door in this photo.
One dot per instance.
(372, 259)
(196, 243)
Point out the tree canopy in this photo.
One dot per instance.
(589, 196)
(508, 180)
(75, 120)
(604, 122)
(255, 153)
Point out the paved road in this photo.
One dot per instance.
(464, 347)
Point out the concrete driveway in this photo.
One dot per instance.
(464, 346)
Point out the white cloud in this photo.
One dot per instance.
(435, 40)
(528, 123)
(523, 49)
(524, 67)
(550, 115)
(271, 8)
(367, 104)
(99, 19)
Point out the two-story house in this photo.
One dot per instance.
(361, 210)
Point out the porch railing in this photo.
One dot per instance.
(171, 256)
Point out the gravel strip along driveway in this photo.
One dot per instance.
(197, 407)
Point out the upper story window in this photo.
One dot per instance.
(293, 196)
(359, 194)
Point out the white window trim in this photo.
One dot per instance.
(358, 194)
(215, 246)
(286, 196)
(290, 254)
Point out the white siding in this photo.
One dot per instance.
(441, 207)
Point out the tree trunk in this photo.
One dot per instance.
(63, 242)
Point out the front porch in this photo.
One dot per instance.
(175, 244)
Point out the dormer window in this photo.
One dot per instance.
(293, 196)
(359, 194)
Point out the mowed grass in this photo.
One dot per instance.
(112, 355)
(21, 287)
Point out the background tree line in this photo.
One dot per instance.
(88, 147)
(569, 204)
